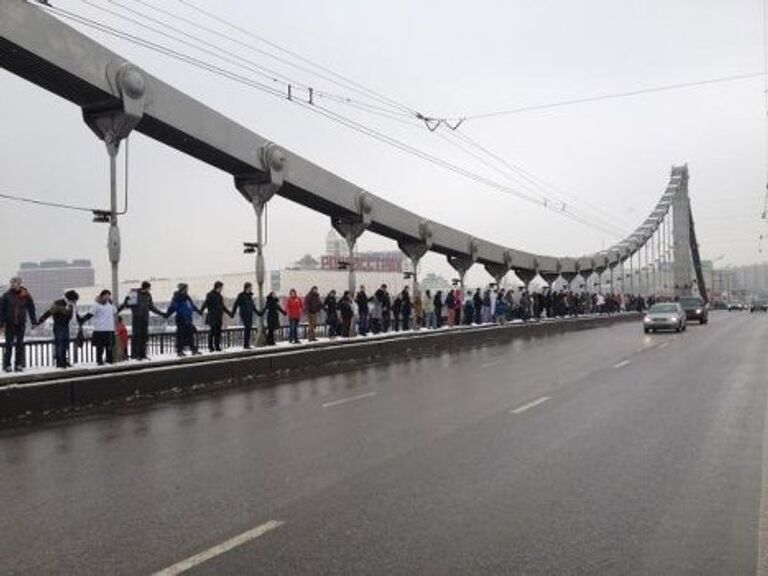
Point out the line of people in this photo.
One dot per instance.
(375, 313)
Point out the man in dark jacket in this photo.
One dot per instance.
(313, 305)
(244, 303)
(141, 304)
(385, 301)
(438, 304)
(15, 305)
(477, 307)
(361, 299)
(214, 304)
(405, 308)
(331, 314)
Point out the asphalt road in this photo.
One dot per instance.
(598, 452)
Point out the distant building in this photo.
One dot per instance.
(49, 279)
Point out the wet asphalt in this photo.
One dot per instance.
(605, 451)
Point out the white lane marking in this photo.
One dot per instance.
(621, 364)
(490, 364)
(350, 399)
(663, 345)
(530, 405)
(214, 551)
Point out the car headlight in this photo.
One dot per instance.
(698, 310)
(647, 319)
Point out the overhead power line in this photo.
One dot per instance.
(611, 96)
(46, 203)
(359, 127)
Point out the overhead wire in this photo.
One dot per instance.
(330, 75)
(317, 109)
(360, 105)
(611, 96)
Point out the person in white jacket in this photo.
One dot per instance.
(102, 314)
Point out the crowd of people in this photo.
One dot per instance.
(342, 316)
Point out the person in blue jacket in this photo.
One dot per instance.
(184, 308)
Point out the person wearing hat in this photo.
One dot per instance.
(141, 304)
(15, 305)
(62, 311)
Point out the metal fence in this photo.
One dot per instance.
(39, 352)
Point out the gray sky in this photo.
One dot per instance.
(447, 59)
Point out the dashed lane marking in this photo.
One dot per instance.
(491, 364)
(530, 405)
(350, 399)
(219, 549)
(621, 364)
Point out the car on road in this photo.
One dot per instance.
(695, 309)
(759, 306)
(738, 306)
(665, 316)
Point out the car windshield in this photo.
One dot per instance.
(690, 302)
(663, 308)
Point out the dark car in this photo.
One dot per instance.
(736, 306)
(695, 309)
(761, 306)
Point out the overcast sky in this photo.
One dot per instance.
(445, 58)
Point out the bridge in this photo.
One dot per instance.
(117, 97)
(560, 446)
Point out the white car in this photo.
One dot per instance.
(664, 316)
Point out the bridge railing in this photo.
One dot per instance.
(39, 352)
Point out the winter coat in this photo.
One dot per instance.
(143, 306)
(331, 309)
(183, 307)
(312, 303)
(384, 299)
(214, 303)
(244, 303)
(345, 307)
(61, 313)
(405, 304)
(272, 308)
(15, 305)
(361, 299)
(295, 307)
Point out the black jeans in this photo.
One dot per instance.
(103, 343)
(14, 340)
(139, 336)
(214, 337)
(247, 332)
(185, 337)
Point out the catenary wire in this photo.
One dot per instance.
(363, 106)
(320, 110)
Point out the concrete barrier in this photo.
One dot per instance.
(36, 395)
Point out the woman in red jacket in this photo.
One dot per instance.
(295, 308)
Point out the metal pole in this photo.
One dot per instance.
(113, 236)
(260, 268)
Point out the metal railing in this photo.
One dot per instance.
(39, 352)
